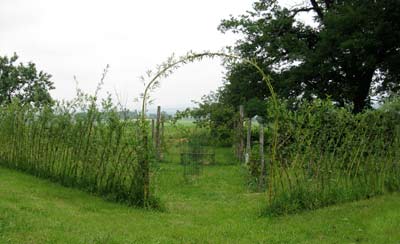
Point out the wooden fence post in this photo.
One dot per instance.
(162, 138)
(158, 122)
(240, 133)
(262, 159)
(235, 138)
(248, 142)
(152, 132)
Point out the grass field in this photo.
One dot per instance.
(214, 208)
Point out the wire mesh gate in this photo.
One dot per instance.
(194, 159)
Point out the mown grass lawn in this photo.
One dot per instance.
(214, 208)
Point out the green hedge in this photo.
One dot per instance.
(76, 144)
(326, 155)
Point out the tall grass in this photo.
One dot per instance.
(78, 144)
(326, 155)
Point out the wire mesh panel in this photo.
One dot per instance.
(194, 158)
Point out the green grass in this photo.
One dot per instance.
(214, 208)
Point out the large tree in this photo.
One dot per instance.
(350, 52)
(23, 82)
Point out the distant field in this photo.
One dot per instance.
(215, 208)
(186, 122)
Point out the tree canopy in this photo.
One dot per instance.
(23, 82)
(350, 53)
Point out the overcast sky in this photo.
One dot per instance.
(80, 37)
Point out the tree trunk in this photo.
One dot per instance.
(317, 9)
(360, 99)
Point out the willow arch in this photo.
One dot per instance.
(167, 69)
